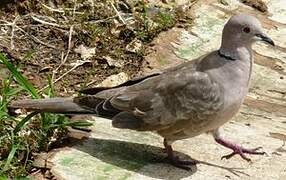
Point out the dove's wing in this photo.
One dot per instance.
(95, 90)
(166, 99)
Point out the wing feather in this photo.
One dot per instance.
(171, 97)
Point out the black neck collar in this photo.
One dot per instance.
(226, 56)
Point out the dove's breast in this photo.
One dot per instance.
(234, 81)
(232, 77)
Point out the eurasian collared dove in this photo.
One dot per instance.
(196, 97)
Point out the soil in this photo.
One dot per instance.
(40, 37)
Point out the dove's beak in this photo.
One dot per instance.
(265, 38)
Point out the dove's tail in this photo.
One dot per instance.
(80, 105)
(53, 105)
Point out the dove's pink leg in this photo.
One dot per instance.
(237, 149)
(175, 161)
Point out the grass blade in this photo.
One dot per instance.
(10, 158)
(51, 90)
(23, 121)
(19, 78)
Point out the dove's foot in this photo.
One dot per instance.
(238, 150)
(175, 161)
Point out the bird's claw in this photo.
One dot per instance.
(242, 151)
(175, 161)
(238, 149)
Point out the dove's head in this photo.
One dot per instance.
(244, 29)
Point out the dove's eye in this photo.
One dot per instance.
(246, 30)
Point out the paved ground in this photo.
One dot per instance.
(121, 154)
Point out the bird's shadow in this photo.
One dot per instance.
(133, 156)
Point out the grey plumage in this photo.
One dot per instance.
(195, 97)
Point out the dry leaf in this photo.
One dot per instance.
(112, 62)
(85, 52)
(114, 80)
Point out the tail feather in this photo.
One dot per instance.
(53, 105)
(82, 105)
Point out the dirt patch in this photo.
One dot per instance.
(41, 38)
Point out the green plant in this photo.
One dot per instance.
(165, 20)
(152, 22)
(31, 133)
